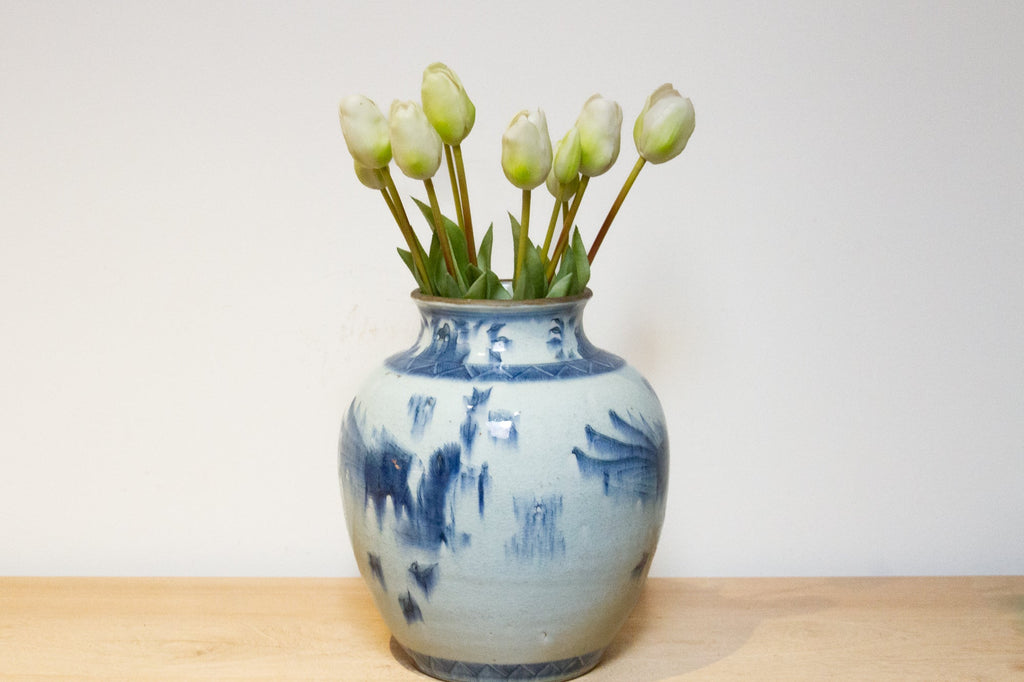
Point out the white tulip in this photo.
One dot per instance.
(371, 177)
(561, 191)
(415, 144)
(600, 127)
(526, 150)
(566, 164)
(446, 104)
(365, 131)
(664, 126)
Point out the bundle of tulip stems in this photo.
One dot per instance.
(416, 138)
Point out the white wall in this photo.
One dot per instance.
(826, 288)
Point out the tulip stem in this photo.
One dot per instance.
(467, 218)
(616, 205)
(441, 232)
(391, 206)
(387, 200)
(455, 187)
(563, 238)
(524, 235)
(551, 228)
(394, 202)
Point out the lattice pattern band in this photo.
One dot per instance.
(548, 671)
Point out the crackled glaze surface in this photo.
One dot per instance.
(504, 487)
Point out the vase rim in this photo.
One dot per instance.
(420, 297)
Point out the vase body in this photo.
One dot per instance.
(504, 487)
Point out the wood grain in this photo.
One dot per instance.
(969, 628)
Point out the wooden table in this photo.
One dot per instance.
(968, 628)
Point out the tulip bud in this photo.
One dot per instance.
(370, 177)
(664, 126)
(600, 126)
(365, 131)
(526, 150)
(446, 104)
(559, 190)
(566, 163)
(414, 142)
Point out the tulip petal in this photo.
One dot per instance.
(365, 131)
(415, 144)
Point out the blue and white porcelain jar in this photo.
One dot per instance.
(504, 487)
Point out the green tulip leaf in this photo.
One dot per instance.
(434, 255)
(407, 259)
(478, 289)
(561, 286)
(515, 237)
(446, 285)
(483, 256)
(567, 264)
(519, 291)
(459, 250)
(428, 214)
(496, 291)
(456, 239)
(411, 264)
(579, 253)
(532, 283)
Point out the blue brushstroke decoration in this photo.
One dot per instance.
(555, 337)
(442, 357)
(383, 469)
(386, 474)
(638, 572)
(478, 398)
(448, 351)
(421, 409)
(502, 426)
(468, 430)
(634, 464)
(483, 487)
(499, 344)
(539, 537)
(431, 523)
(376, 570)
(410, 609)
(467, 433)
(425, 576)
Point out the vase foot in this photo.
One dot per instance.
(547, 671)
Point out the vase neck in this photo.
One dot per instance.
(511, 342)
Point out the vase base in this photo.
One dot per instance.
(547, 671)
